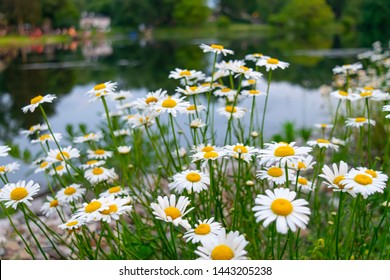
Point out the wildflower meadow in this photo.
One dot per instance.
(161, 179)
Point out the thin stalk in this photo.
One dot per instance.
(265, 108)
(339, 212)
(175, 140)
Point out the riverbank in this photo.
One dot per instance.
(21, 41)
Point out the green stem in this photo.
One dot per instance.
(175, 140)
(110, 127)
(339, 212)
(265, 108)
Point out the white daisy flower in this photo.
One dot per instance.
(59, 169)
(240, 151)
(43, 165)
(211, 86)
(359, 122)
(230, 111)
(225, 91)
(223, 247)
(192, 90)
(34, 128)
(333, 178)
(143, 120)
(377, 175)
(123, 150)
(4, 151)
(187, 77)
(43, 138)
(282, 153)
(92, 211)
(247, 72)
(9, 168)
(227, 66)
(248, 83)
(192, 109)
(217, 49)
(50, 207)
(322, 143)
(303, 184)
(207, 155)
(20, 192)
(72, 224)
(100, 90)
(323, 125)
(343, 95)
(122, 132)
(197, 123)
(122, 95)
(272, 64)
(386, 108)
(172, 211)
(280, 205)
(372, 94)
(253, 92)
(190, 180)
(151, 98)
(92, 164)
(55, 155)
(204, 231)
(99, 154)
(363, 182)
(116, 207)
(347, 68)
(89, 137)
(116, 191)
(275, 175)
(171, 105)
(303, 165)
(71, 193)
(337, 141)
(256, 57)
(38, 100)
(99, 174)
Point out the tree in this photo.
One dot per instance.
(19, 12)
(191, 12)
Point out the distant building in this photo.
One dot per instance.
(91, 21)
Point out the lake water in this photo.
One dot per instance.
(69, 71)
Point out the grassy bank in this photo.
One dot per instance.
(20, 41)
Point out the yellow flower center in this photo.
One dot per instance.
(172, 212)
(2, 168)
(323, 125)
(301, 165)
(69, 191)
(59, 156)
(207, 149)
(368, 88)
(251, 81)
(59, 167)
(226, 90)
(193, 177)
(89, 135)
(275, 171)
(281, 207)
(372, 173)
(194, 88)
(302, 181)
(36, 99)
(91, 162)
(222, 252)
(343, 93)
(43, 164)
(115, 189)
(360, 119)
(111, 209)
(272, 61)
(230, 109)
(54, 203)
(202, 229)
(97, 171)
(32, 128)
(337, 181)
(324, 141)
(284, 151)
(257, 54)
(185, 73)
(240, 149)
(18, 193)
(211, 154)
(366, 94)
(243, 68)
(99, 152)
(44, 137)
(150, 99)
(254, 91)
(92, 206)
(363, 179)
(99, 87)
(191, 108)
(217, 47)
(169, 103)
(71, 224)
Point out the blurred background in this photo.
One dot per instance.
(65, 47)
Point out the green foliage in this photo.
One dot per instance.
(223, 21)
(375, 18)
(302, 15)
(191, 12)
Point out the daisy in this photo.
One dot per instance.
(72, 224)
(375, 95)
(386, 108)
(192, 109)
(363, 182)
(122, 95)
(123, 150)
(92, 211)
(359, 122)
(322, 143)
(253, 92)
(55, 155)
(256, 57)
(333, 178)
(225, 91)
(99, 174)
(248, 83)
(116, 191)
(33, 129)
(92, 163)
(143, 120)
(122, 132)
(20, 192)
(99, 154)
(50, 207)
(275, 175)
(206, 155)
(151, 98)
(343, 95)
(272, 64)
(280, 205)
(9, 168)
(44, 138)
(38, 100)
(282, 153)
(116, 207)
(223, 247)
(239, 151)
(378, 175)
(228, 66)
(171, 105)
(303, 184)
(347, 68)
(190, 180)
(89, 137)
(172, 211)
(4, 151)
(303, 165)
(187, 77)
(323, 125)
(192, 90)
(197, 123)
(101, 90)
(43, 165)
(337, 141)
(247, 72)
(204, 231)
(230, 111)
(70, 193)
(58, 170)
(217, 49)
